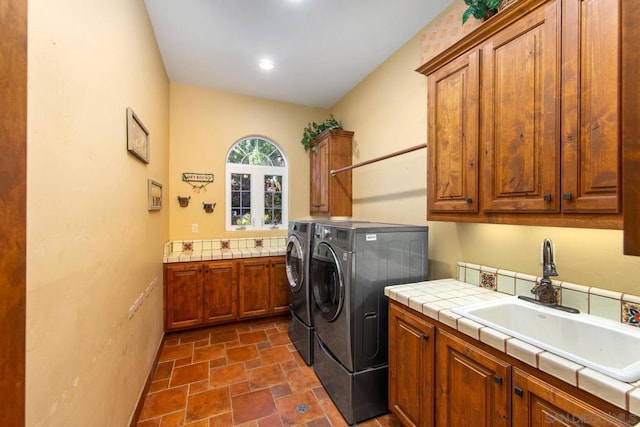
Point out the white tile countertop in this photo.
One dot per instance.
(215, 249)
(436, 298)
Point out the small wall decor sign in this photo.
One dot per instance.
(137, 137)
(197, 177)
(191, 177)
(154, 195)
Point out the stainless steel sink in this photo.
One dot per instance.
(611, 348)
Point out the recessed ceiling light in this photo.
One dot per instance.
(266, 64)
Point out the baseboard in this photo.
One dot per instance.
(136, 414)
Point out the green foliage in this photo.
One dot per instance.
(314, 129)
(480, 9)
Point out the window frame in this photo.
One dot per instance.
(258, 174)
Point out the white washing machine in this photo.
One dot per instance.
(350, 265)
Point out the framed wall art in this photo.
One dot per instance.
(154, 195)
(137, 137)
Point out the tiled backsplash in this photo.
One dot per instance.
(611, 305)
(205, 250)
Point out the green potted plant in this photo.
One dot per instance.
(314, 129)
(480, 9)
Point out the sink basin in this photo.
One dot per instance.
(611, 348)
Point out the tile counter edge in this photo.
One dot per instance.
(436, 298)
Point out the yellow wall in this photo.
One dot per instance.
(205, 123)
(92, 245)
(387, 111)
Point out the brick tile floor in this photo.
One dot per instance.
(246, 374)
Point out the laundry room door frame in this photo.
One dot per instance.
(13, 209)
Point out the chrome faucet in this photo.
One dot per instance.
(544, 290)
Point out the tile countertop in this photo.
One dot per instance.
(436, 298)
(215, 249)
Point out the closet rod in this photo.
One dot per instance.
(377, 159)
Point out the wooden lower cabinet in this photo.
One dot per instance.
(411, 368)
(279, 292)
(220, 288)
(438, 377)
(183, 295)
(210, 292)
(254, 287)
(473, 387)
(536, 403)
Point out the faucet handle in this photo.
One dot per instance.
(545, 291)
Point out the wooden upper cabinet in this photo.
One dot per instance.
(630, 112)
(590, 106)
(551, 107)
(520, 114)
(453, 96)
(331, 195)
(319, 190)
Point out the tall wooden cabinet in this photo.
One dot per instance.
(548, 133)
(330, 195)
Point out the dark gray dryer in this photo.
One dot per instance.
(299, 247)
(350, 266)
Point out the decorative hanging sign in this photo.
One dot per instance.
(191, 177)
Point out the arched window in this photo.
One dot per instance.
(257, 185)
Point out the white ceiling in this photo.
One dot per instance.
(321, 48)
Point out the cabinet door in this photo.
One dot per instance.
(319, 190)
(280, 293)
(520, 111)
(220, 292)
(452, 173)
(590, 106)
(536, 403)
(331, 194)
(630, 59)
(411, 368)
(473, 387)
(253, 284)
(183, 295)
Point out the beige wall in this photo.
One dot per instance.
(205, 123)
(92, 245)
(387, 111)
